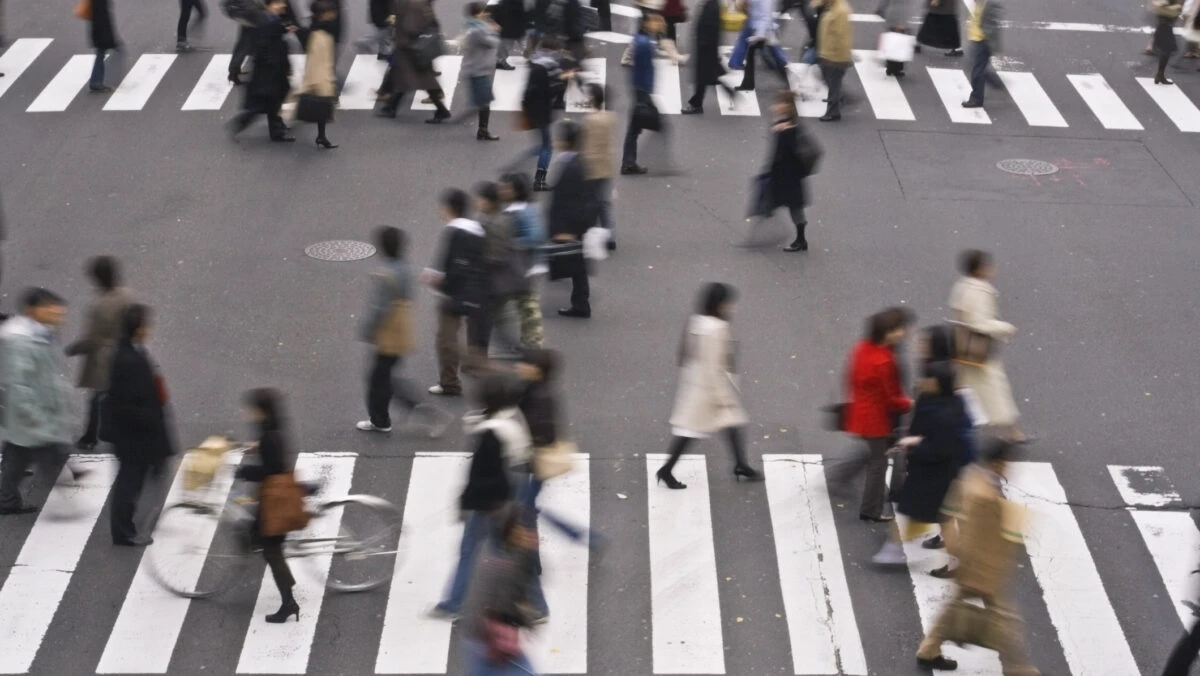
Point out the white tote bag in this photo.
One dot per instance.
(896, 46)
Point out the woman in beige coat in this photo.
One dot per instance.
(973, 304)
(319, 79)
(707, 400)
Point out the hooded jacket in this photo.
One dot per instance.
(37, 401)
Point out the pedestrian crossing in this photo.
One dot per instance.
(44, 87)
(685, 622)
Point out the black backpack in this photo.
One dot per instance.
(245, 12)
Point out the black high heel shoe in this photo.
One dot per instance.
(285, 611)
(665, 477)
(1163, 80)
(746, 472)
(233, 78)
(798, 245)
(325, 144)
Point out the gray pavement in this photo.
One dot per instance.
(1097, 267)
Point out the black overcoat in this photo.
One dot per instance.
(272, 68)
(708, 65)
(934, 463)
(512, 18)
(102, 31)
(787, 177)
(134, 415)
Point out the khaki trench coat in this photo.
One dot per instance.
(707, 399)
(973, 302)
(988, 539)
(98, 343)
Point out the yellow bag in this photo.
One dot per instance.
(733, 19)
(201, 463)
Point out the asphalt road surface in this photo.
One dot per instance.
(1096, 266)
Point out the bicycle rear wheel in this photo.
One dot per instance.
(364, 554)
(196, 552)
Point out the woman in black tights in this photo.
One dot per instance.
(1164, 43)
(707, 400)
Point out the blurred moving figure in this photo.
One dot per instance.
(99, 340)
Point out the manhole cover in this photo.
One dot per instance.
(340, 250)
(1027, 167)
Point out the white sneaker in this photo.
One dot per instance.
(891, 554)
(441, 392)
(368, 426)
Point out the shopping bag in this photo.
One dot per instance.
(554, 460)
(897, 47)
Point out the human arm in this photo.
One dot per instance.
(975, 305)
(89, 342)
(378, 302)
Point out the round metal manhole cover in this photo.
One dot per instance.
(340, 250)
(1027, 167)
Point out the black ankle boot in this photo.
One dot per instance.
(800, 243)
(286, 610)
(664, 476)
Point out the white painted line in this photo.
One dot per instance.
(866, 18)
(1174, 103)
(508, 86)
(43, 569)
(1034, 102)
(953, 88)
(18, 57)
(820, 616)
(743, 103)
(1170, 536)
(592, 71)
(1104, 102)
(213, 87)
(626, 10)
(1087, 625)
(449, 66)
(65, 86)
(284, 648)
(609, 36)
(970, 5)
(810, 88)
(685, 605)
(884, 93)
(151, 618)
(140, 82)
(560, 647)
(667, 95)
(362, 82)
(411, 642)
(297, 76)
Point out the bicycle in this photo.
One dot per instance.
(201, 542)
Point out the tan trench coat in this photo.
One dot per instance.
(707, 399)
(973, 302)
(99, 340)
(988, 539)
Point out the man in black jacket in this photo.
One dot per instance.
(135, 423)
(458, 280)
(269, 84)
(572, 212)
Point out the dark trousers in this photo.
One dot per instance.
(604, 9)
(126, 490)
(875, 477)
(242, 49)
(629, 153)
(382, 389)
(185, 15)
(91, 434)
(272, 550)
(981, 56)
(581, 291)
(732, 434)
(449, 352)
(1184, 653)
(756, 49)
(268, 107)
(47, 462)
(833, 73)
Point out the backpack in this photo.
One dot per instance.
(245, 12)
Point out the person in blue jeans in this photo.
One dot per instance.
(737, 58)
(983, 31)
(547, 80)
(501, 445)
(104, 38)
(642, 81)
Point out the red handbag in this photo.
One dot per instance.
(502, 640)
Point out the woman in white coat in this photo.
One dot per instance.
(973, 303)
(707, 400)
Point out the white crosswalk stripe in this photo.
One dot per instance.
(667, 95)
(213, 87)
(1104, 102)
(17, 59)
(685, 622)
(953, 89)
(1034, 102)
(140, 82)
(1174, 103)
(884, 93)
(65, 86)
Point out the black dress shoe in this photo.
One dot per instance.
(138, 541)
(23, 509)
(798, 245)
(935, 542)
(941, 663)
(438, 117)
(971, 104)
(632, 169)
(830, 118)
(689, 109)
(943, 573)
(575, 312)
(504, 65)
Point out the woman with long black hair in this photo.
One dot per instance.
(707, 400)
(793, 159)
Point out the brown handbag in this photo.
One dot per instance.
(281, 505)
(394, 337)
(83, 10)
(971, 347)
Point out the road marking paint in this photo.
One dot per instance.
(43, 569)
(411, 642)
(213, 87)
(592, 71)
(1088, 630)
(363, 80)
(285, 648)
(884, 93)
(560, 647)
(449, 66)
(1170, 536)
(810, 89)
(685, 602)
(625, 10)
(1104, 102)
(18, 57)
(820, 616)
(953, 88)
(140, 82)
(742, 103)
(609, 36)
(144, 636)
(65, 86)
(508, 86)
(667, 94)
(1174, 103)
(1031, 99)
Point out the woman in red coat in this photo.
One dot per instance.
(875, 397)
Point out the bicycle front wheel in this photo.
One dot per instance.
(365, 551)
(195, 552)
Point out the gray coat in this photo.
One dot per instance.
(37, 399)
(99, 340)
(390, 283)
(479, 53)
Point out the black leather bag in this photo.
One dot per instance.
(425, 48)
(646, 115)
(313, 108)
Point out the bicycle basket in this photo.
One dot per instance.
(201, 463)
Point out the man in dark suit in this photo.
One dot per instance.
(572, 212)
(135, 422)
